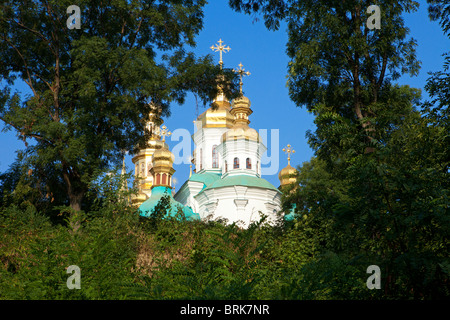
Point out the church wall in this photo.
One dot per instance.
(241, 149)
(239, 203)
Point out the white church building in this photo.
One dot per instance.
(226, 183)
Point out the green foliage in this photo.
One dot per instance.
(360, 202)
(35, 255)
(377, 191)
(91, 87)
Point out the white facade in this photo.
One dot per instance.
(238, 203)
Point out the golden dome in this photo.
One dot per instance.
(287, 175)
(241, 132)
(163, 155)
(156, 144)
(217, 117)
(241, 110)
(162, 169)
(241, 101)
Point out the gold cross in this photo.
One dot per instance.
(242, 73)
(220, 48)
(164, 132)
(288, 150)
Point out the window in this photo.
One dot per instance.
(163, 179)
(158, 178)
(257, 166)
(248, 163)
(215, 157)
(236, 163)
(201, 159)
(226, 166)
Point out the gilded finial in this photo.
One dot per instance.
(220, 47)
(164, 132)
(242, 73)
(288, 150)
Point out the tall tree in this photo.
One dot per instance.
(378, 190)
(91, 87)
(340, 69)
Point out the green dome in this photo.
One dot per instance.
(241, 180)
(206, 178)
(147, 207)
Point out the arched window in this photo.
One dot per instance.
(215, 157)
(257, 167)
(163, 179)
(143, 169)
(226, 166)
(158, 176)
(248, 163)
(201, 159)
(236, 163)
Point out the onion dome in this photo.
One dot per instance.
(288, 174)
(162, 157)
(241, 110)
(162, 169)
(217, 116)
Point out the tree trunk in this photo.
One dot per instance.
(75, 200)
(75, 192)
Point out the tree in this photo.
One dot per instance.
(378, 191)
(439, 81)
(339, 69)
(91, 87)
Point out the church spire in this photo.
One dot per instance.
(241, 111)
(162, 163)
(220, 98)
(288, 173)
(241, 105)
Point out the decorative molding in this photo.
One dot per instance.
(240, 203)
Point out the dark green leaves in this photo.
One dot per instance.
(90, 87)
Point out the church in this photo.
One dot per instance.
(226, 183)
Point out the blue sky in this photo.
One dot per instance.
(263, 53)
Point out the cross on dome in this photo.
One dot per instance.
(242, 73)
(288, 151)
(221, 48)
(164, 132)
